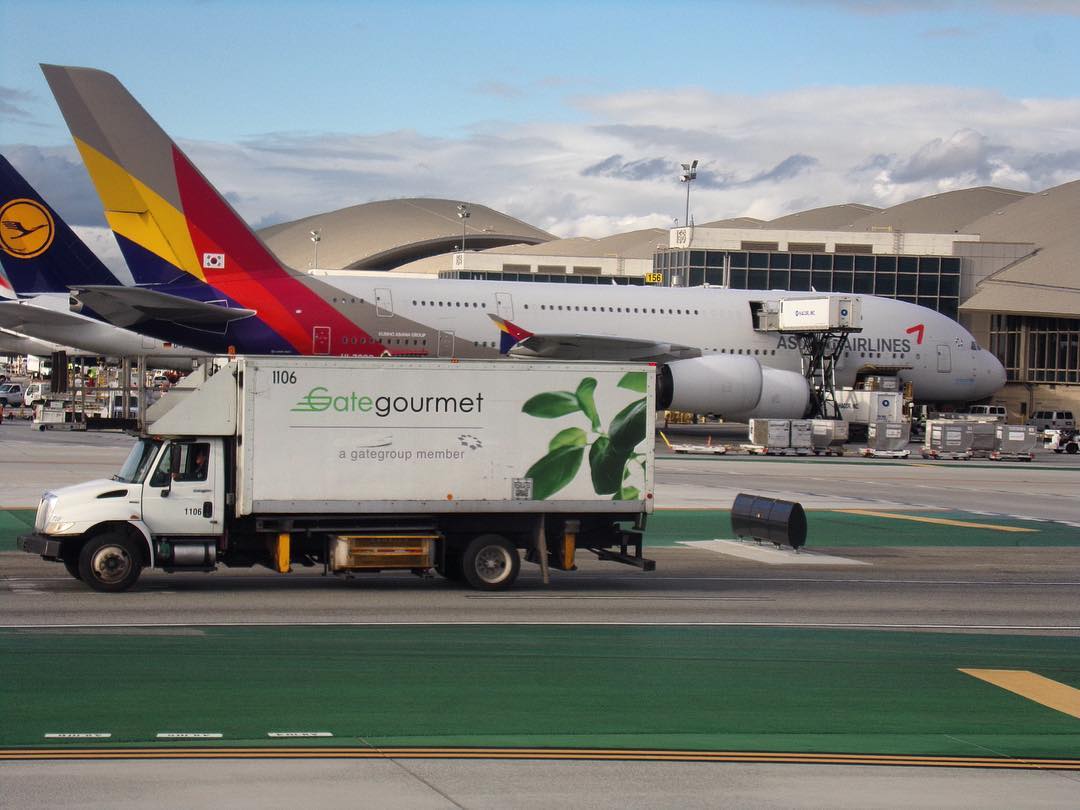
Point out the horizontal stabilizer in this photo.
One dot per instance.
(129, 306)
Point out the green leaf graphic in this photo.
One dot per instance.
(606, 464)
(551, 405)
(628, 426)
(627, 494)
(571, 437)
(584, 396)
(633, 381)
(554, 471)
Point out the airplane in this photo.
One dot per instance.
(192, 255)
(40, 253)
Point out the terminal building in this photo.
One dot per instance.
(1004, 263)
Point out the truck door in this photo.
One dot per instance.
(944, 358)
(384, 302)
(446, 344)
(320, 340)
(183, 496)
(504, 305)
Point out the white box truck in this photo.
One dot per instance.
(820, 314)
(368, 464)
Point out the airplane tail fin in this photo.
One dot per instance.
(166, 216)
(38, 251)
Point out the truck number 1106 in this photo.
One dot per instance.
(284, 377)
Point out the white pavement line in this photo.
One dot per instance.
(299, 734)
(77, 735)
(189, 735)
(769, 554)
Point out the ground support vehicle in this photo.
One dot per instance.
(1061, 441)
(1014, 443)
(361, 464)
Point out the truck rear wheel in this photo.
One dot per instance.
(110, 562)
(490, 563)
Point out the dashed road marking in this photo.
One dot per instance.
(189, 735)
(77, 735)
(299, 734)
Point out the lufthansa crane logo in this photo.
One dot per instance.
(26, 228)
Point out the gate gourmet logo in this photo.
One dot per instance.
(320, 399)
(26, 228)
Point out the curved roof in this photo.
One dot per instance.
(389, 233)
(1046, 281)
(826, 218)
(949, 212)
(631, 245)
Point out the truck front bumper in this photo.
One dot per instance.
(47, 547)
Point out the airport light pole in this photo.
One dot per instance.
(463, 214)
(316, 237)
(689, 174)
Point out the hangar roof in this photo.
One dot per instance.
(949, 212)
(386, 234)
(1047, 281)
(827, 218)
(632, 245)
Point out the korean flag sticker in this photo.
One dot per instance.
(213, 261)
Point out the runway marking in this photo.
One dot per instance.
(649, 597)
(319, 752)
(1035, 687)
(299, 734)
(73, 735)
(939, 521)
(189, 735)
(768, 554)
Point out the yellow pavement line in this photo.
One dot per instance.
(317, 752)
(939, 521)
(1034, 687)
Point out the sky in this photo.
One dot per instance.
(572, 116)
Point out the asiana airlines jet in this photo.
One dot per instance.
(205, 280)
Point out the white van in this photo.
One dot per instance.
(998, 412)
(1053, 420)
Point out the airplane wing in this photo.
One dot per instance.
(601, 347)
(522, 343)
(130, 306)
(14, 315)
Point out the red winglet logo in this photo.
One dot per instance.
(917, 330)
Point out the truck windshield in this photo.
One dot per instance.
(138, 461)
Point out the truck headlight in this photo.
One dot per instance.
(44, 513)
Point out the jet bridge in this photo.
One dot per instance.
(821, 327)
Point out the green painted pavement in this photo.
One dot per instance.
(914, 458)
(764, 689)
(834, 529)
(14, 522)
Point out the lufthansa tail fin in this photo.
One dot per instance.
(39, 252)
(166, 216)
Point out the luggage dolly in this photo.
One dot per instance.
(869, 452)
(943, 455)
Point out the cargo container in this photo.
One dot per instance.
(369, 464)
(820, 314)
(772, 433)
(947, 438)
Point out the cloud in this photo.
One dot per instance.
(616, 167)
(499, 90)
(10, 101)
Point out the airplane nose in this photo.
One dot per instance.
(994, 379)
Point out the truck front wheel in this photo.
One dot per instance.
(110, 562)
(490, 563)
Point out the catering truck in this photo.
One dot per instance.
(368, 464)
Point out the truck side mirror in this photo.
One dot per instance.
(174, 467)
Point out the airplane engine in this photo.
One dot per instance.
(733, 387)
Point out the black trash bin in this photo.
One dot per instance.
(769, 519)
